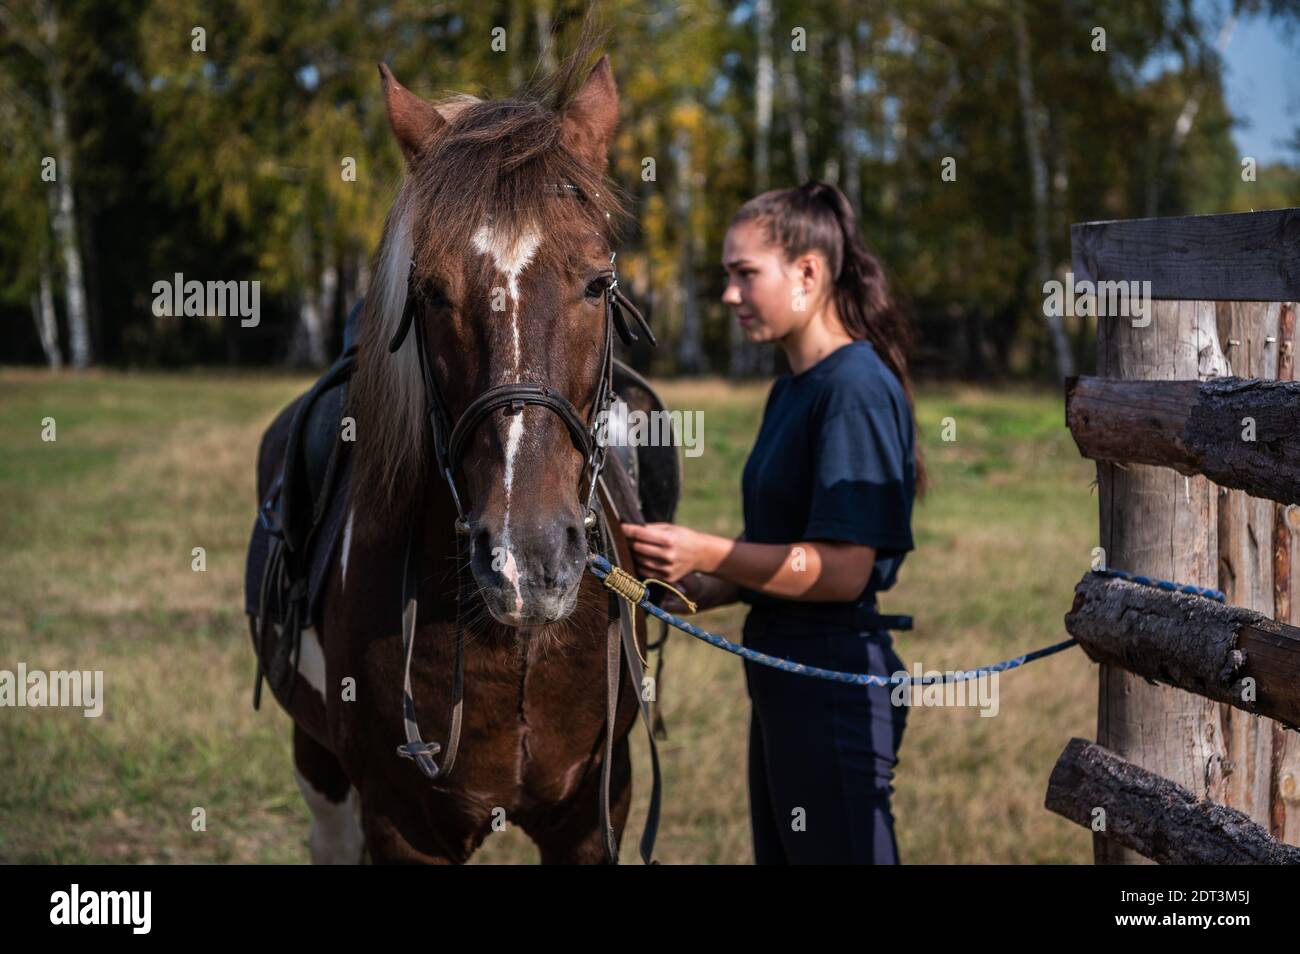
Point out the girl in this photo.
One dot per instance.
(827, 495)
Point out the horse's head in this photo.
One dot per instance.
(503, 229)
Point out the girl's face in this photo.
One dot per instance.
(769, 296)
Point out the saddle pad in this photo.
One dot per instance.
(320, 548)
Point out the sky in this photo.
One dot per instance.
(1263, 88)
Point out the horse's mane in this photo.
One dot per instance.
(498, 161)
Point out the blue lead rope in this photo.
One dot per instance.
(600, 567)
(1169, 585)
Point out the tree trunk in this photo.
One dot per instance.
(307, 346)
(47, 325)
(848, 93)
(763, 84)
(65, 219)
(690, 353)
(794, 116)
(515, 44)
(545, 42)
(1186, 117)
(1038, 170)
(329, 285)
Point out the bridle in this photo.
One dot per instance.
(449, 443)
(449, 440)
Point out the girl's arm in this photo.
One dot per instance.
(812, 571)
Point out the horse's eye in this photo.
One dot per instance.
(598, 286)
(432, 293)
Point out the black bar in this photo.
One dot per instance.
(1245, 256)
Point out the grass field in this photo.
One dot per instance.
(96, 534)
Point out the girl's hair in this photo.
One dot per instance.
(817, 216)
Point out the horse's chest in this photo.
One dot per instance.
(532, 715)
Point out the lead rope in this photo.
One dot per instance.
(603, 570)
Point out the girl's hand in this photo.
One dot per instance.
(665, 550)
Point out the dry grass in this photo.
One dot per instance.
(96, 533)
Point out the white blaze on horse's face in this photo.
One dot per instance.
(510, 259)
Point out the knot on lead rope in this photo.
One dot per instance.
(634, 591)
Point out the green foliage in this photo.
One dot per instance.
(230, 159)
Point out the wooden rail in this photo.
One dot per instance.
(1225, 653)
(1238, 432)
(1162, 821)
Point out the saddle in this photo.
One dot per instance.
(654, 472)
(298, 522)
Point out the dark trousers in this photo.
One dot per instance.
(821, 754)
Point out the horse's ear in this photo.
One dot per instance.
(590, 119)
(415, 122)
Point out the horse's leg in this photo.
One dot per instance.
(572, 835)
(335, 837)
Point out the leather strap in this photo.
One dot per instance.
(515, 397)
(416, 748)
(627, 627)
(434, 404)
(612, 674)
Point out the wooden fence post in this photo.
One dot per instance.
(1248, 331)
(1284, 782)
(1154, 522)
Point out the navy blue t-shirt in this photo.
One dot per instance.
(834, 460)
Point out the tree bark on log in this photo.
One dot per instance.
(1153, 816)
(1195, 427)
(1192, 643)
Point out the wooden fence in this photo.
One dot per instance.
(1194, 422)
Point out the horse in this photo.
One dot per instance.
(458, 580)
